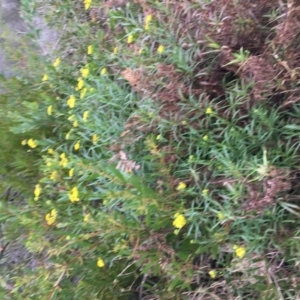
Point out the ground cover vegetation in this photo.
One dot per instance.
(157, 152)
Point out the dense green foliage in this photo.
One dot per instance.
(161, 148)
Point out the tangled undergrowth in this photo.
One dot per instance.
(165, 138)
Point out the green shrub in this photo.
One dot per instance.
(165, 154)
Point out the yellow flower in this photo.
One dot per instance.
(87, 4)
(85, 72)
(49, 110)
(212, 274)
(68, 237)
(209, 111)
(32, 143)
(63, 160)
(73, 195)
(148, 20)
(80, 84)
(95, 138)
(50, 151)
(160, 49)
(179, 221)
(90, 50)
(51, 217)
(53, 175)
(68, 135)
(71, 118)
(181, 186)
(115, 50)
(37, 191)
(77, 145)
(239, 251)
(24, 142)
(100, 263)
(130, 39)
(86, 218)
(71, 101)
(48, 164)
(221, 216)
(45, 77)
(83, 92)
(103, 71)
(85, 115)
(205, 192)
(158, 137)
(56, 63)
(205, 138)
(75, 124)
(71, 172)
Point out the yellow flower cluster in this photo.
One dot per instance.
(205, 137)
(45, 77)
(130, 39)
(72, 118)
(80, 84)
(221, 216)
(85, 72)
(51, 217)
(50, 151)
(74, 194)
(179, 221)
(85, 115)
(209, 111)
(68, 135)
(83, 92)
(205, 192)
(37, 192)
(148, 20)
(160, 49)
(31, 143)
(86, 218)
(49, 110)
(212, 274)
(239, 251)
(71, 172)
(77, 145)
(56, 63)
(181, 186)
(53, 175)
(71, 101)
(95, 138)
(100, 263)
(90, 50)
(87, 4)
(63, 160)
